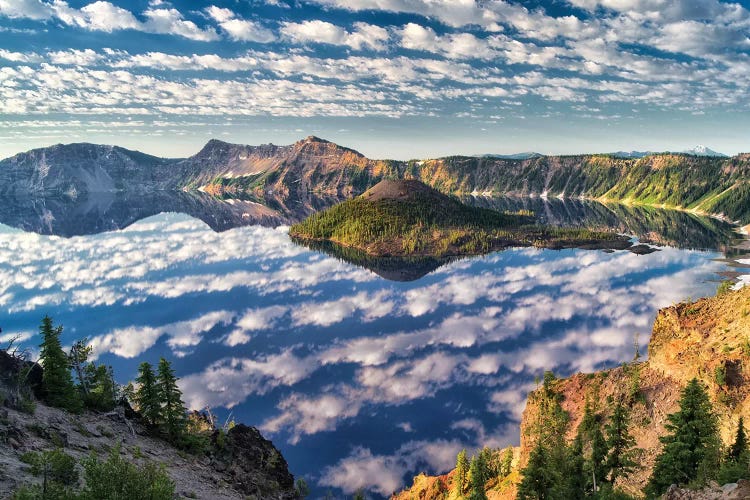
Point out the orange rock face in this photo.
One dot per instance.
(708, 339)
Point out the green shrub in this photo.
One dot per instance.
(720, 375)
(724, 287)
(732, 471)
(117, 478)
(55, 465)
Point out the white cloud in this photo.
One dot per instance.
(31, 9)
(170, 21)
(134, 341)
(240, 29)
(86, 57)
(104, 16)
(364, 36)
(28, 57)
(107, 17)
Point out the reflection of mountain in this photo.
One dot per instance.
(100, 212)
(650, 225)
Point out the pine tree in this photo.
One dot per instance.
(506, 462)
(477, 478)
(739, 448)
(103, 389)
(57, 381)
(620, 461)
(691, 447)
(599, 450)
(574, 480)
(78, 356)
(460, 476)
(147, 395)
(173, 409)
(538, 478)
(593, 449)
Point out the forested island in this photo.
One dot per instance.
(408, 218)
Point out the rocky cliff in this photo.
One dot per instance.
(708, 339)
(703, 184)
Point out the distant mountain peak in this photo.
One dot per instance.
(701, 150)
(314, 138)
(516, 156)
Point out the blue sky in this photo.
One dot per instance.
(391, 78)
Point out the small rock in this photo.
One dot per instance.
(729, 487)
(14, 444)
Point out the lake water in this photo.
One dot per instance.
(360, 381)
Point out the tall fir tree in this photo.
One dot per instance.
(545, 476)
(173, 409)
(477, 478)
(78, 356)
(57, 381)
(594, 449)
(538, 476)
(621, 460)
(461, 475)
(103, 390)
(506, 462)
(691, 449)
(147, 397)
(738, 450)
(574, 478)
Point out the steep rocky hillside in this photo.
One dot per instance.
(708, 339)
(239, 464)
(74, 169)
(704, 184)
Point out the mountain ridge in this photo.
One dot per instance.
(705, 184)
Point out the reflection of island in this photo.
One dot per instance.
(650, 225)
(407, 218)
(390, 268)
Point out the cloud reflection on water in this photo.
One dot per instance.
(310, 346)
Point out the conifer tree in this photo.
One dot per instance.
(738, 450)
(78, 356)
(57, 381)
(506, 462)
(147, 395)
(461, 474)
(173, 409)
(593, 448)
(538, 477)
(574, 477)
(488, 463)
(735, 466)
(102, 393)
(620, 461)
(477, 478)
(691, 447)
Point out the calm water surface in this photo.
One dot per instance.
(361, 382)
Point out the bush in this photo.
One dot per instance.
(58, 472)
(53, 466)
(724, 287)
(732, 471)
(116, 478)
